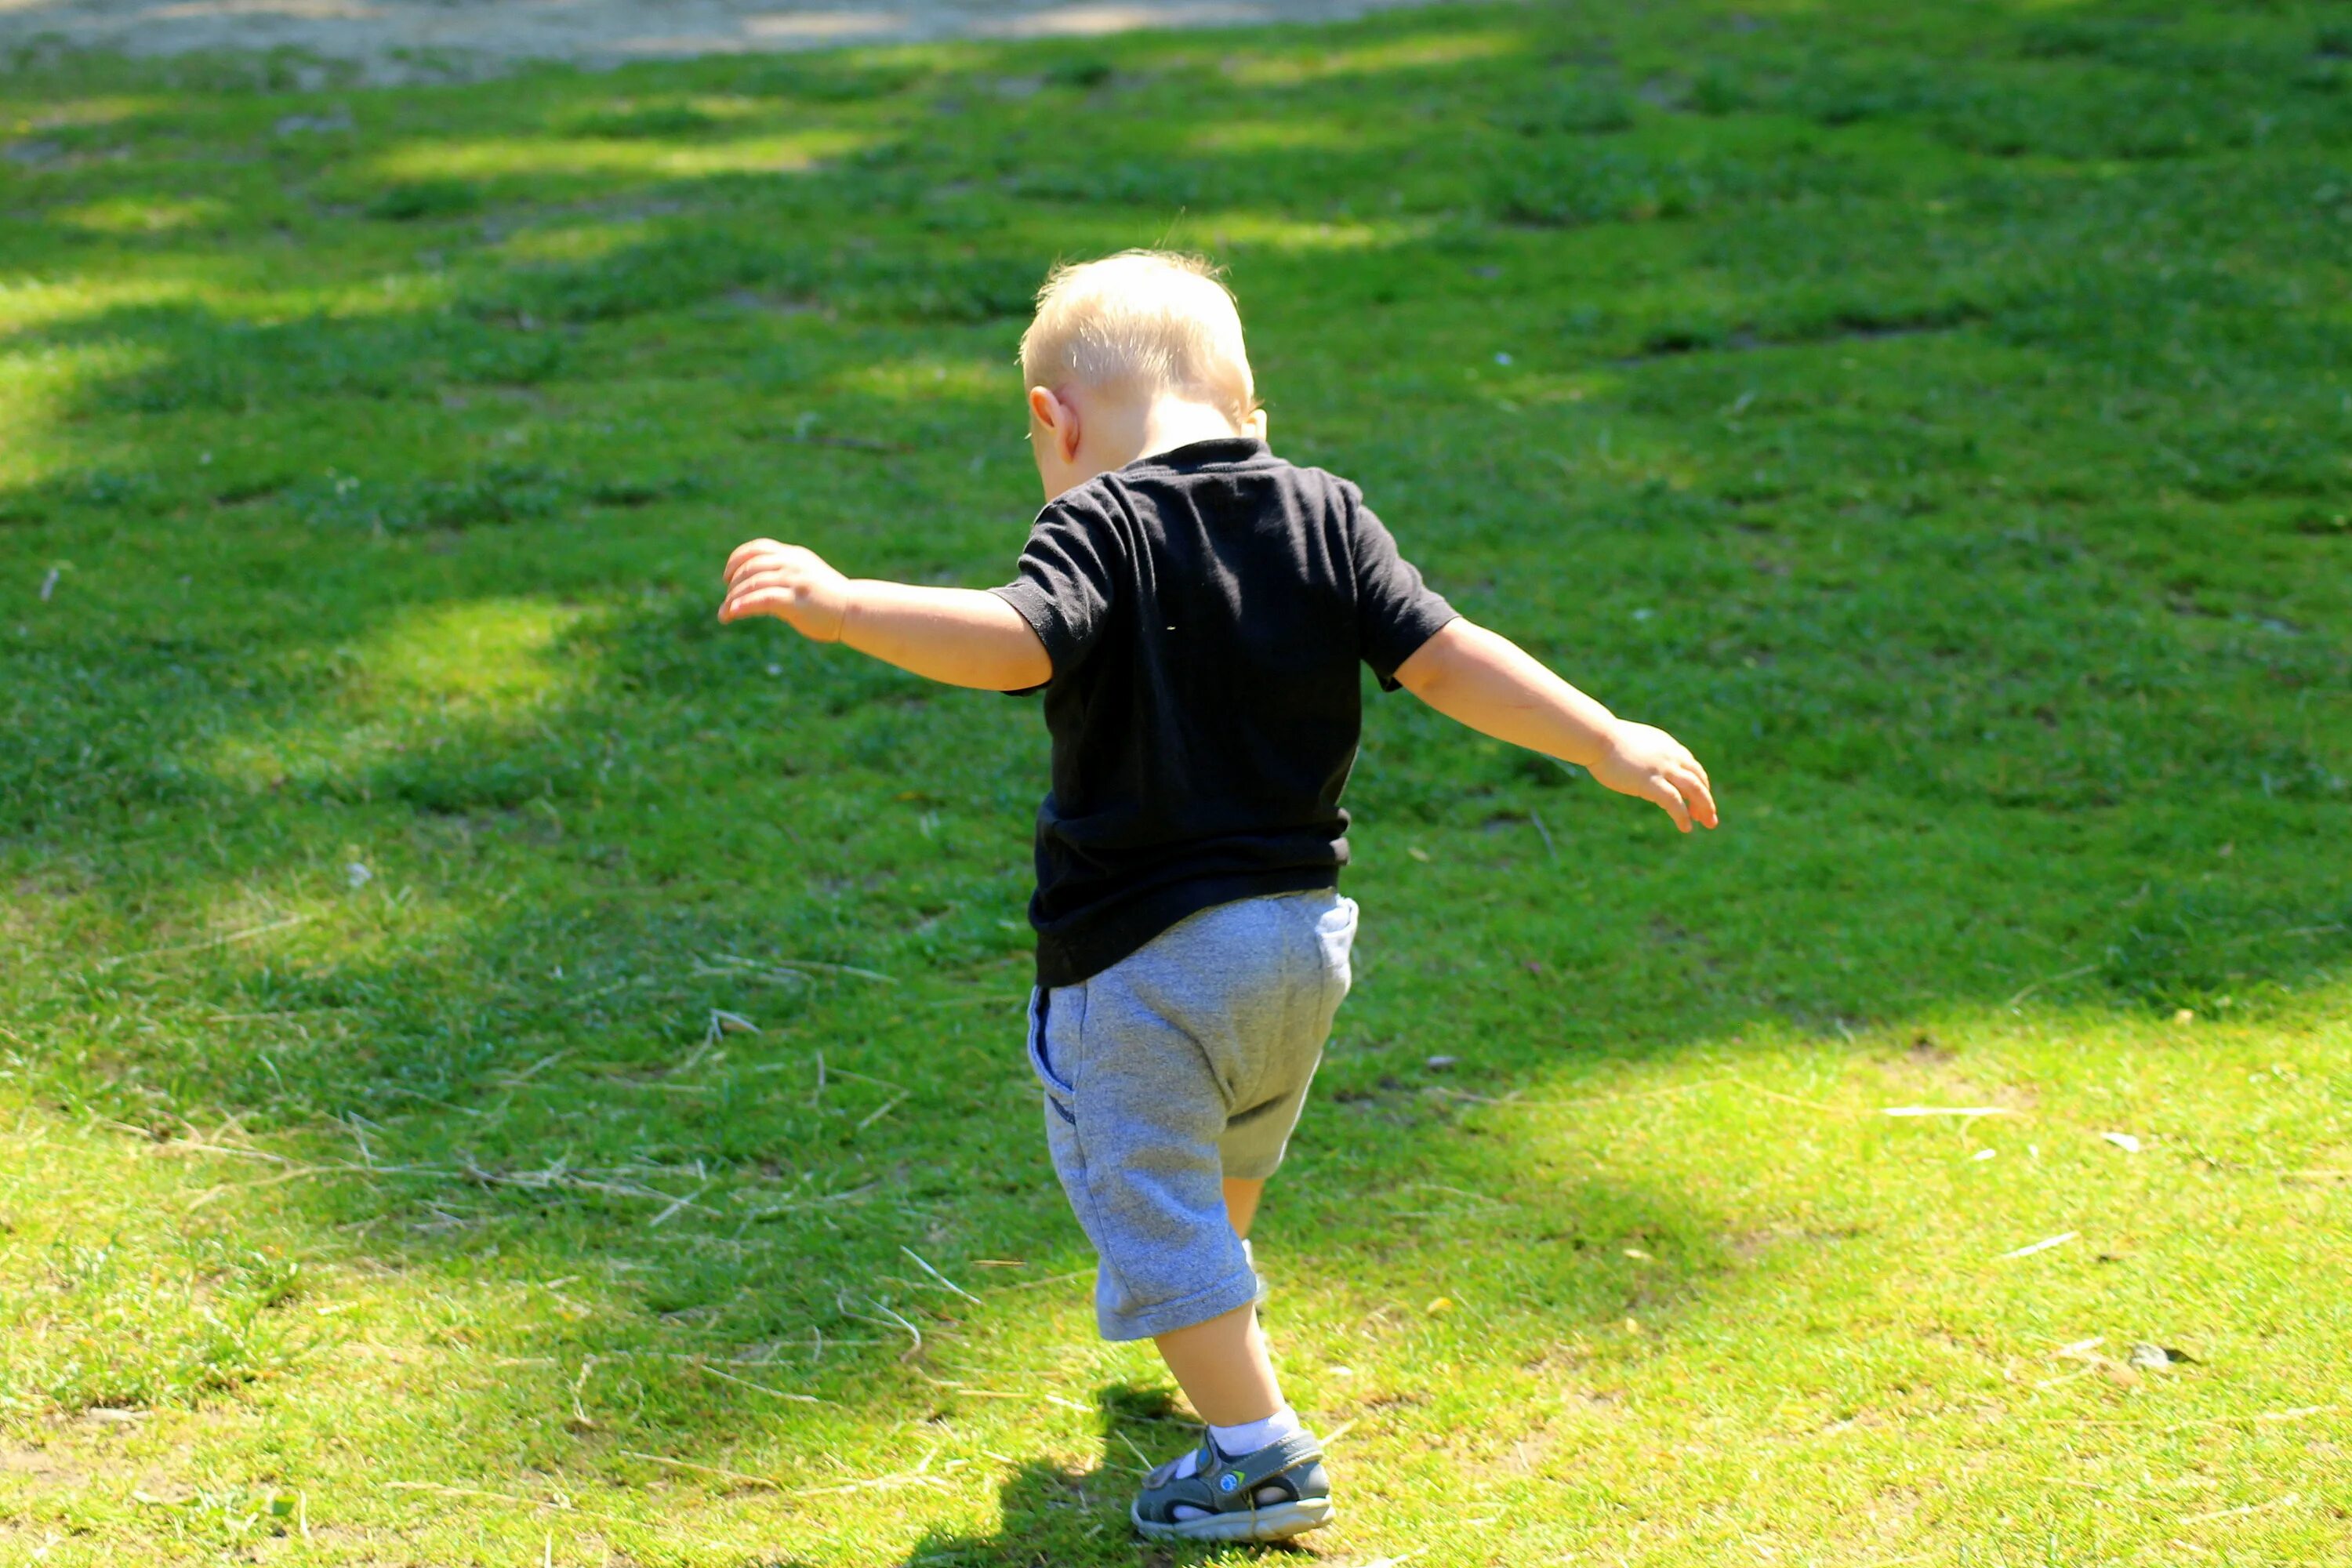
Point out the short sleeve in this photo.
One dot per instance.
(1396, 612)
(1064, 589)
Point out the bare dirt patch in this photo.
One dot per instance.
(40, 1465)
(397, 40)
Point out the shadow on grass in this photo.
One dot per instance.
(1051, 1514)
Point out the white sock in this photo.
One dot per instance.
(1233, 1442)
(1251, 1435)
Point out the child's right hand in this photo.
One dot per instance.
(1651, 765)
(790, 582)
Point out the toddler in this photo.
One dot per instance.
(1194, 609)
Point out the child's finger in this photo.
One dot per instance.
(738, 595)
(758, 602)
(1699, 795)
(750, 547)
(770, 592)
(761, 574)
(751, 567)
(1661, 789)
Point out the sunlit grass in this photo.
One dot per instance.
(125, 215)
(1273, 137)
(495, 655)
(1438, 46)
(492, 664)
(928, 378)
(510, 157)
(573, 242)
(1275, 233)
(34, 386)
(28, 302)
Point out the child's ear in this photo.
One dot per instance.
(1058, 418)
(1256, 425)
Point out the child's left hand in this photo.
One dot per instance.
(790, 582)
(1649, 764)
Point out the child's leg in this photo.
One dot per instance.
(1241, 1203)
(1173, 1081)
(1224, 1368)
(1223, 1365)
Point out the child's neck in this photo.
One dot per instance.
(1116, 433)
(1169, 422)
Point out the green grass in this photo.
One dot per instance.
(1936, 416)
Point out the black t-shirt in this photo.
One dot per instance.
(1204, 610)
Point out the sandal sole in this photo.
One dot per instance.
(1279, 1523)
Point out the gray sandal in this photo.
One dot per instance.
(1278, 1492)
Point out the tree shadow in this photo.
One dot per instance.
(1051, 1513)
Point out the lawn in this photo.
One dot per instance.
(495, 1069)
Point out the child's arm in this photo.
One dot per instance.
(959, 636)
(1487, 681)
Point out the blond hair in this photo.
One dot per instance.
(1150, 319)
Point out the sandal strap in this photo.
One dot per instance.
(1164, 1476)
(1233, 1483)
(1222, 1485)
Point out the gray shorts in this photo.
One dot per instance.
(1184, 1063)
